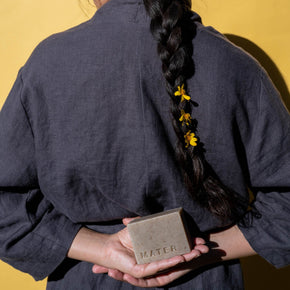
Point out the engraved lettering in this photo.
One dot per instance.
(157, 252)
(166, 250)
(173, 249)
(144, 255)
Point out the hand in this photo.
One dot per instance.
(121, 264)
(114, 254)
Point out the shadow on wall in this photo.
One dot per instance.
(258, 274)
(267, 63)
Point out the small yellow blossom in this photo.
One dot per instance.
(181, 92)
(185, 118)
(190, 139)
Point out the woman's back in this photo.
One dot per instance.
(98, 113)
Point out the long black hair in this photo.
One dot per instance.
(173, 29)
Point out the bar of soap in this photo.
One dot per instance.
(159, 236)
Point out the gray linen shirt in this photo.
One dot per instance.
(86, 139)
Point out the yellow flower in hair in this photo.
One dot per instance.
(185, 118)
(190, 139)
(181, 92)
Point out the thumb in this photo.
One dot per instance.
(126, 221)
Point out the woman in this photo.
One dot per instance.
(99, 127)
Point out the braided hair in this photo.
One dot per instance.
(173, 29)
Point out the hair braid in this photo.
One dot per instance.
(173, 29)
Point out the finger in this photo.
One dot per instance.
(192, 255)
(127, 220)
(96, 269)
(202, 248)
(199, 241)
(141, 271)
(116, 274)
(125, 239)
(157, 281)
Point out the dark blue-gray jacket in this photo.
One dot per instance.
(86, 139)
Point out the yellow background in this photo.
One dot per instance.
(265, 23)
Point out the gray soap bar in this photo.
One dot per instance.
(159, 236)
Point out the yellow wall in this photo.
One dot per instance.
(23, 23)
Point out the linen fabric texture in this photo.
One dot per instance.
(86, 140)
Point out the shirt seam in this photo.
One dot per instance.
(265, 160)
(23, 107)
(143, 117)
(258, 119)
(32, 135)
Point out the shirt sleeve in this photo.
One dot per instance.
(34, 236)
(268, 150)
